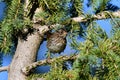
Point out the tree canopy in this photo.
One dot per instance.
(98, 55)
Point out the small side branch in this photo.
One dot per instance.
(6, 68)
(99, 16)
(27, 69)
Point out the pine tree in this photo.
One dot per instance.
(26, 23)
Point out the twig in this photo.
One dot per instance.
(5, 68)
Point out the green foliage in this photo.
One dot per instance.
(53, 11)
(12, 24)
(78, 4)
(97, 46)
(59, 11)
(99, 4)
(56, 72)
(34, 76)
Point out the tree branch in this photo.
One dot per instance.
(5, 68)
(99, 16)
(28, 68)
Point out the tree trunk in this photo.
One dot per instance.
(25, 54)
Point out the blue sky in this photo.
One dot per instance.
(105, 24)
(2, 7)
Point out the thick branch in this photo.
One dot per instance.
(99, 16)
(5, 68)
(27, 69)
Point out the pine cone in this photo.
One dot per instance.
(56, 42)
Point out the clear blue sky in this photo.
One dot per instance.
(2, 7)
(6, 59)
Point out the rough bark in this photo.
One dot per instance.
(25, 54)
